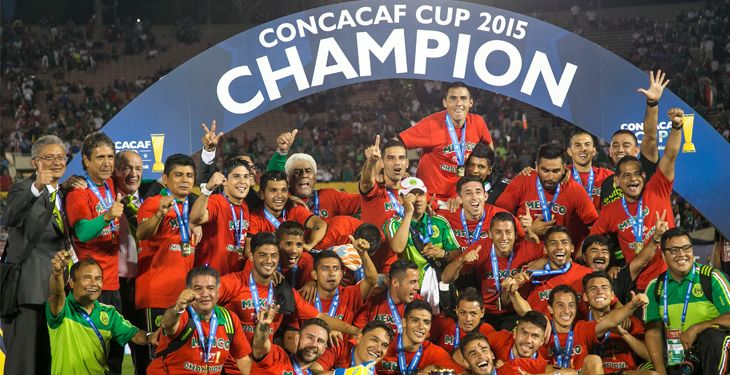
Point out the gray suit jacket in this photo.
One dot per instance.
(28, 216)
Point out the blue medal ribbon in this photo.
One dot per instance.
(405, 368)
(563, 355)
(474, 237)
(313, 203)
(495, 268)
(238, 224)
(396, 205)
(255, 293)
(296, 366)
(183, 219)
(88, 320)
(272, 219)
(512, 354)
(429, 231)
(333, 306)
(665, 316)
(394, 312)
(457, 336)
(539, 276)
(637, 222)
(210, 343)
(459, 146)
(591, 178)
(605, 335)
(107, 201)
(546, 208)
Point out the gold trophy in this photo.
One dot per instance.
(158, 140)
(688, 122)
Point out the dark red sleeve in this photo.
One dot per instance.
(347, 203)
(328, 359)
(436, 355)
(228, 286)
(240, 346)
(362, 316)
(78, 206)
(214, 207)
(300, 215)
(275, 359)
(603, 222)
(148, 208)
(583, 205)
(483, 260)
(255, 223)
(511, 197)
(418, 135)
(304, 310)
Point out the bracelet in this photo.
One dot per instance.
(204, 189)
(211, 150)
(677, 127)
(652, 103)
(147, 336)
(656, 241)
(182, 310)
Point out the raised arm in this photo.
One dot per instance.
(615, 317)
(453, 269)
(671, 149)
(318, 228)
(207, 156)
(399, 239)
(199, 211)
(148, 228)
(261, 345)
(171, 317)
(371, 273)
(367, 177)
(653, 93)
(645, 256)
(57, 296)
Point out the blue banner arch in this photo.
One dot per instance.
(493, 49)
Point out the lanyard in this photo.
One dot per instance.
(255, 293)
(543, 273)
(295, 365)
(605, 335)
(238, 224)
(352, 357)
(591, 178)
(512, 354)
(396, 205)
(206, 346)
(637, 222)
(457, 336)
(313, 203)
(106, 202)
(686, 299)
(544, 206)
(429, 231)
(274, 221)
(470, 239)
(394, 312)
(183, 219)
(459, 147)
(495, 268)
(333, 306)
(93, 326)
(405, 368)
(562, 356)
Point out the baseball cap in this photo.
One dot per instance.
(409, 184)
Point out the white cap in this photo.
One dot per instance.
(412, 183)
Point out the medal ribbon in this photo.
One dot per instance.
(333, 306)
(459, 146)
(183, 220)
(563, 355)
(394, 312)
(396, 205)
(539, 276)
(273, 220)
(665, 316)
(495, 268)
(429, 231)
(88, 320)
(405, 368)
(205, 345)
(238, 224)
(591, 178)
(546, 208)
(255, 293)
(474, 237)
(296, 366)
(637, 222)
(106, 202)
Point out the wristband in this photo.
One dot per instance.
(652, 103)
(656, 241)
(204, 189)
(677, 127)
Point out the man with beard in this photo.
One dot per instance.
(582, 150)
(274, 190)
(631, 218)
(388, 307)
(199, 336)
(272, 359)
(295, 264)
(224, 218)
(550, 199)
(446, 139)
(615, 347)
(80, 328)
(367, 348)
(325, 203)
(518, 348)
(492, 260)
(412, 352)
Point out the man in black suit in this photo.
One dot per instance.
(37, 227)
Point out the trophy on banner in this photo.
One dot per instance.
(688, 122)
(158, 140)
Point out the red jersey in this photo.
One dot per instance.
(188, 358)
(377, 308)
(438, 165)
(218, 246)
(432, 355)
(377, 207)
(338, 356)
(332, 202)
(259, 223)
(339, 228)
(443, 332)
(528, 365)
(613, 219)
(615, 353)
(235, 294)
(454, 219)
(537, 294)
(524, 252)
(299, 275)
(161, 267)
(572, 209)
(599, 175)
(584, 338)
(350, 301)
(502, 343)
(276, 362)
(82, 204)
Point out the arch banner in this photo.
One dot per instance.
(493, 49)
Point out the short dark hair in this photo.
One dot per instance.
(597, 275)
(272, 176)
(470, 294)
(324, 254)
(394, 142)
(89, 261)
(557, 229)
(472, 336)
(627, 132)
(414, 305)
(315, 322)
(625, 160)
(289, 228)
(465, 180)
(456, 85)
(262, 238)
(580, 132)
(534, 317)
(503, 216)
(550, 151)
(205, 270)
(178, 160)
(482, 151)
(375, 324)
(371, 234)
(94, 140)
(235, 162)
(562, 289)
(671, 233)
(399, 268)
(595, 239)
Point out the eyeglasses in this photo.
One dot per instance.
(52, 158)
(686, 249)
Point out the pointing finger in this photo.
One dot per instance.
(377, 141)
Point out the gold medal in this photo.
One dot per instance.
(638, 246)
(187, 249)
(460, 171)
